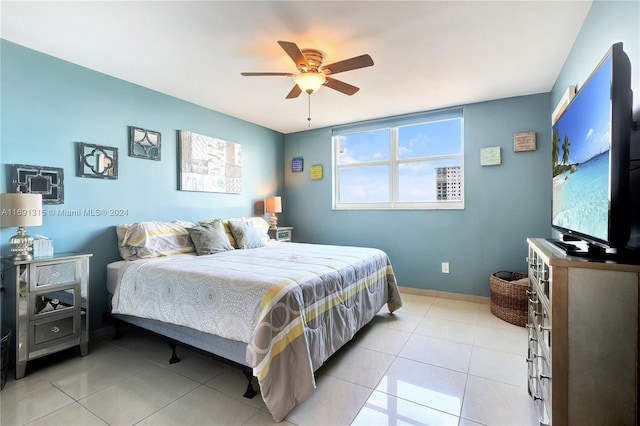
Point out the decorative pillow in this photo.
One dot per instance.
(227, 230)
(154, 239)
(261, 226)
(245, 234)
(210, 238)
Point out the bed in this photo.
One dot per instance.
(279, 309)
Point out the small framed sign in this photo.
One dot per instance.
(490, 156)
(297, 164)
(524, 141)
(316, 172)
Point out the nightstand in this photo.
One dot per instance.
(281, 233)
(46, 304)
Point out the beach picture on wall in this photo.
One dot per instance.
(209, 164)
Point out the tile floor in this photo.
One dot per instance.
(436, 361)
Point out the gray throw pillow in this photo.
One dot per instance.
(245, 235)
(210, 238)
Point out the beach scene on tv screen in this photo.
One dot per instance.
(581, 143)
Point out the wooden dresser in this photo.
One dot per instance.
(583, 338)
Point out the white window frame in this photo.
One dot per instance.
(393, 124)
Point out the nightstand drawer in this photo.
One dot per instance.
(54, 302)
(55, 330)
(284, 235)
(54, 274)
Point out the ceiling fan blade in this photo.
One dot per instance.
(361, 61)
(261, 74)
(294, 93)
(294, 53)
(341, 86)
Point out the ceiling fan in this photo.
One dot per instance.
(312, 73)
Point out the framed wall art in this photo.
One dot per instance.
(490, 156)
(144, 143)
(316, 172)
(97, 161)
(297, 164)
(209, 164)
(525, 141)
(47, 181)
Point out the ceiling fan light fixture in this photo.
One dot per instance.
(309, 81)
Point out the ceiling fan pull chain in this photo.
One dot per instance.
(309, 117)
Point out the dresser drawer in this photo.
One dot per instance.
(54, 274)
(55, 330)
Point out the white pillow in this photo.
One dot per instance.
(154, 239)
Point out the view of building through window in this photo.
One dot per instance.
(418, 165)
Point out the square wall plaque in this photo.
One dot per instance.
(490, 156)
(524, 141)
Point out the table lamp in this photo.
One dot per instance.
(273, 206)
(20, 210)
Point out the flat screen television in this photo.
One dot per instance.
(591, 201)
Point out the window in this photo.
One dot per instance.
(410, 162)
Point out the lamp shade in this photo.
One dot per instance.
(20, 210)
(273, 205)
(309, 81)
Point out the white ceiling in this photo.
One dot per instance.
(428, 54)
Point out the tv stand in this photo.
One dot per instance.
(582, 358)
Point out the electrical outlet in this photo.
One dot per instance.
(445, 267)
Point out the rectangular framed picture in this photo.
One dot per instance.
(297, 164)
(209, 164)
(47, 181)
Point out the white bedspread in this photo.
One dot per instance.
(221, 293)
(293, 304)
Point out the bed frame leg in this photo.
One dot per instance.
(250, 393)
(118, 330)
(174, 355)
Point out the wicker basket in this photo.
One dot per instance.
(5, 346)
(509, 296)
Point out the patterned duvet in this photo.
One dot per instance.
(293, 304)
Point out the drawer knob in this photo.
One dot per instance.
(530, 326)
(55, 329)
(533, 302)
(542, 376)
(541, 328)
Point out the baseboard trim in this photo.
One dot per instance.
(446, 295)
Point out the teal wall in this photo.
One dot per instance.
(503, 204)
(48, 104)
(608, 22)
